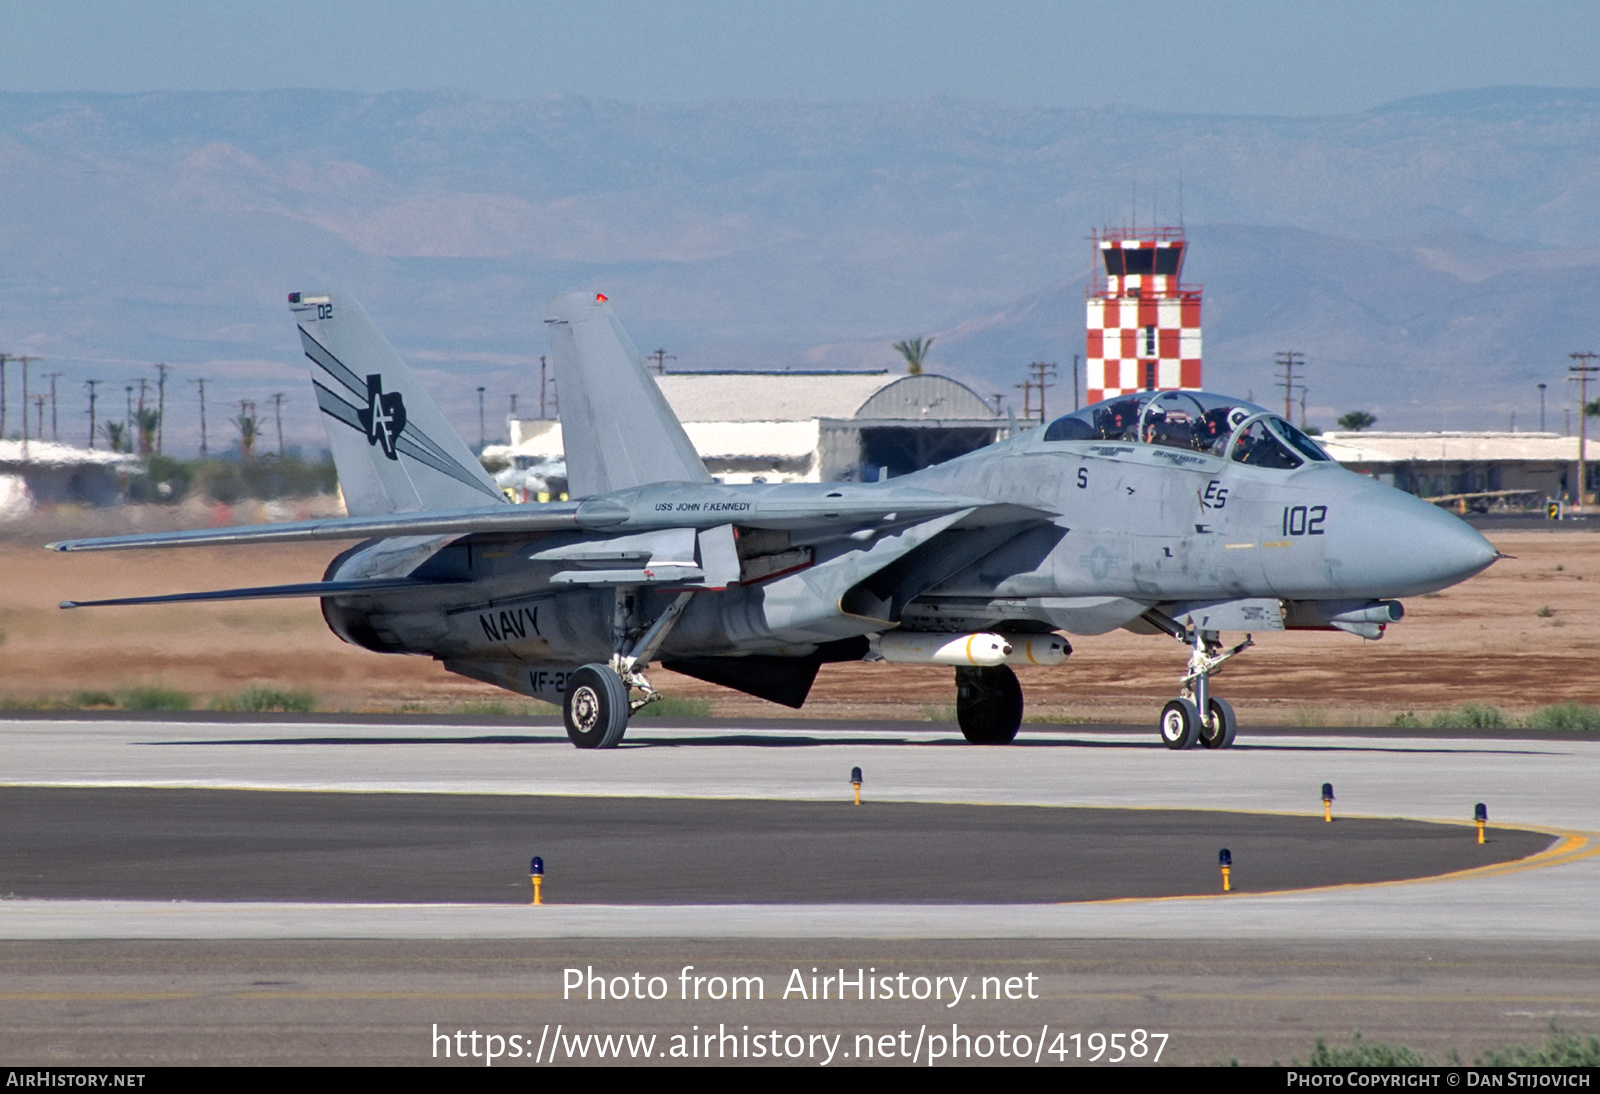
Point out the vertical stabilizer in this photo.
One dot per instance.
(392, 446)
(616, 425)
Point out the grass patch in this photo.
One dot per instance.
(1562, 1048)
(1308, 717)
(156, 697)
(1406, 720)
(939, 712)
(1573, 716)
(1470, 716)
(528, 708)
(676, 706)
(1544, 612)
(88, 700)
(262, 697)
(17, 702)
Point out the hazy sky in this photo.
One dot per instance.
(1242, 56)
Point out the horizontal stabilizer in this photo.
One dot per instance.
(556, 517)
(270, 592)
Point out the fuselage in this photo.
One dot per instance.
(1066, 531)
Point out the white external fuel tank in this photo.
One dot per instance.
(1037, 649)
(914, 648)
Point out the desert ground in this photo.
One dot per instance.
(1519, 636)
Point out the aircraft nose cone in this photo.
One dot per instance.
(1426, 548)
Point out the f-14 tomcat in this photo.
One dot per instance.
(1177, 513)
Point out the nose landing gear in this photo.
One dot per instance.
(1197, 715)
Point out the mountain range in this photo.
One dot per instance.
(1434, 259)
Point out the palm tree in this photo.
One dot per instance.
(146, 421)
(915, 351)
(246, 421)
(114, 434)
(1357, 420)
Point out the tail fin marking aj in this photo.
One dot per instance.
(394, 450)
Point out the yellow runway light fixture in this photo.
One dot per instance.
(855, 781)
(1480, 813)
(536, 875)
(1225, 860)
(1327, 802)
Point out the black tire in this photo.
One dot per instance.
(1180, 724)
(596, 707)
(1218, 730)
(988, 705)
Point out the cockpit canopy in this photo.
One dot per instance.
(1195, 420)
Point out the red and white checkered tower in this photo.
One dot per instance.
(1144, 326)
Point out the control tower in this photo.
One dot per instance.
(1144, 325)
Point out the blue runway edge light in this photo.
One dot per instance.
(536, 867)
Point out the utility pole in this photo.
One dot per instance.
(25, 359)
(1027, 398)
(1581, 372)
(480, 421)
(4, 357)
(202, 384)
(38, 402)
(161, 403)
(1287, 360)
(127, 420)
(55, 431)
(277, 414)
(541, 388)
(1302, 408)
(1042, 369)
(661, 357)
(1541, 407)
(139, 439)
(90, 384)
(1076, 398)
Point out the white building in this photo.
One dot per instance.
(1534, 466)
(42, 472)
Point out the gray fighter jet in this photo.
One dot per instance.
(1177, 513)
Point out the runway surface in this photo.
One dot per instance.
(1471, 960)
(1542, 785)
(204, 845)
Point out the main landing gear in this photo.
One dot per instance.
(597, 706)
(1196, 715)
(988, 704)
